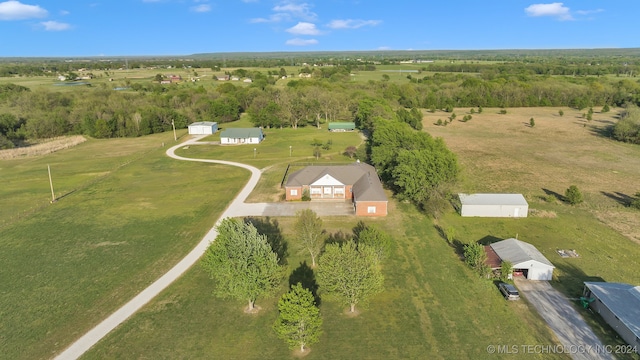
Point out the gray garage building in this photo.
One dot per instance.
(619, 306)
(493, 205)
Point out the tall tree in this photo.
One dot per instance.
(349, 273)
(299, 322)
(241, 262)
(310, 233)
(374, 238)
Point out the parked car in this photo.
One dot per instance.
(509, 291)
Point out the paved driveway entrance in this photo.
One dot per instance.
(563, 319)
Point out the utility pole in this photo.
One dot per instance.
(175, 138)
(53, 196)
(290, 150)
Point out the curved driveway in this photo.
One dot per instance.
(236, 208)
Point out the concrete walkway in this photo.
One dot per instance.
(570, 328)
(236, 208)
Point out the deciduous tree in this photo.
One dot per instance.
(299, 322)
(349, 273)
(310, 234)
(241, 262)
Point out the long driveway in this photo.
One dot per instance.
(236, 208)
(570, 328)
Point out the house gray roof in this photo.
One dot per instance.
(342, 125)
(366, 185)
(203, 123)
(622, 299)
(241, 133)
(516, 252)
(492, 199)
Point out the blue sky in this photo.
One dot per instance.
(183, 27)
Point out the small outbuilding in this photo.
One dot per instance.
(241, 136)
(493, 205)
(619, 306)
(203, 128)
(342, 126)
(524, 257)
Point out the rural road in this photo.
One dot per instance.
(237, 208)
(84, 343)
(569, 327)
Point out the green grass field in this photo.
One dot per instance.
(101, 244)
(129, 214)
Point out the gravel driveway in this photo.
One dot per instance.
(565, 321)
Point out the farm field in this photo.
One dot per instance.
(126, 214)
(433, 304)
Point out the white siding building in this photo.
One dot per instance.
(525, 258)
(241, 136)
(493, 205)
(203, 128)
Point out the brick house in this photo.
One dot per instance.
(357, 182)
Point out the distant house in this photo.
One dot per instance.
(619, 306)
(493, 205)
(525, 258)
(304, 75)
(241, 136)
(357, 182)
(342, 126)
(165, 81)
(222, 77)
(235, 78)
(203, 128)
(247, 81)
(175, 78)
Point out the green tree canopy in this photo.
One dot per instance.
(349, 273)
(310, 233)
(241, 262)
(299, 322)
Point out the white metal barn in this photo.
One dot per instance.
(241, 136)
(525, 258)
(203, 128)
(493, 205)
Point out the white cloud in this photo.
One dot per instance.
(304, 28)
(589, 12)
(352, 24)
(15, 10)
(201, 8)
(301, 42)
(287, 11)
(55, 26)
(64, 12)
(557, 10)
(384, 48)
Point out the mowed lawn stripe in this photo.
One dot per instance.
(72, 263)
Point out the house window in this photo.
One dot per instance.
(371, 210)
(338, 191)
(327, 190)
(294, 192)
(316, 191)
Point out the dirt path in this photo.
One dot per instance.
(570, 328)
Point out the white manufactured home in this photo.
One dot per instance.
(493, 205)
(203, 128)
(241, 136)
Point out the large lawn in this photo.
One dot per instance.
(129, 214)
(433, 307)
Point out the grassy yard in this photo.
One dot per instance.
(433, 307)
(129, 213)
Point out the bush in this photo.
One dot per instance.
(473, 111)
(305, 195)
(439, 122)
(479, 109)
(560, 112)
(532, 122)
(605, 109)
(573, 195)
(503, 111)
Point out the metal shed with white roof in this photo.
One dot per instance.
(525, 258)
(493, 205)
